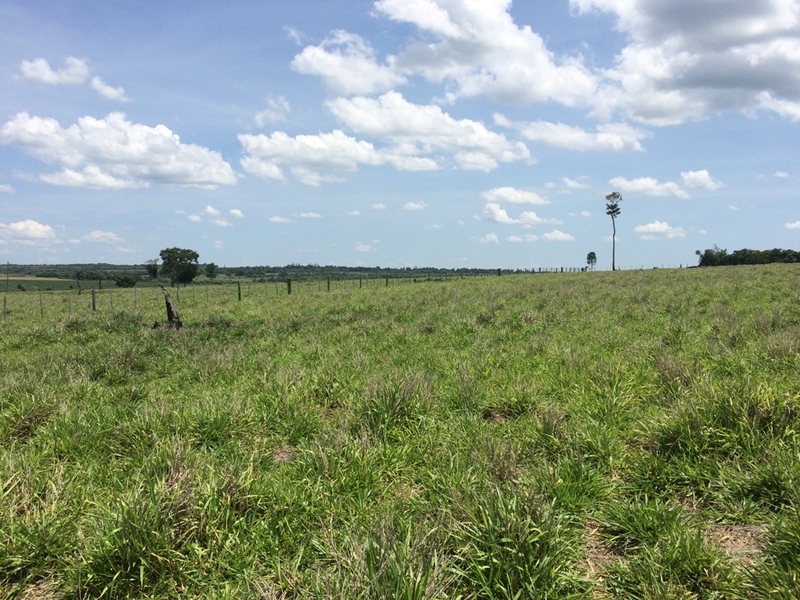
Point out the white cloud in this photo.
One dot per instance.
(558, 236)
(733, 207)
(195, 218)
(279, 220)
(6, 189)
(27, 230)
(219, 245)
(211, 211)
(305, 155)
(700, 179)
(574, 184)
(585, 214)
(520, 239)
(609, 137)
(236, 213)
(347, 64)
(38, 70)
(113, 153)
(513, 196)
(648, 186)
(794, 225)
(379, 206)
(277, 110)
(310, 215)
(489, 238)
(108, 92)
(363, 247)
(415, 129)
(780, 174)
(354, 213)
(476, 49)
(493, 212)
(658, 229)
(102, 237)
(686, 59)
(415, 206)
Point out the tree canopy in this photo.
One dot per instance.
(179, 264)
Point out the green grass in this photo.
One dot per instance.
(586, 435)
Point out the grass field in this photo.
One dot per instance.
(588, 435)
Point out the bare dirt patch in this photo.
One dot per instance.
(742, 543)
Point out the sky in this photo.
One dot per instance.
(398, 133)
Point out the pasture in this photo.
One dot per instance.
(585, 435)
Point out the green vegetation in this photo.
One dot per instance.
(717, 257)
(585, 435)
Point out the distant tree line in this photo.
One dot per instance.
(717, 257)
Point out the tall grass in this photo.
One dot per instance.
(546, 436)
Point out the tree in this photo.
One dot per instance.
(152, 268)
(179, 264)
(125, 280)
(211, 270)
(591, 259)
(612, 210)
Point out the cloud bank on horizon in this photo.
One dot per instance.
(451, 116)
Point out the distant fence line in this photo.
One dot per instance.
(149, 301)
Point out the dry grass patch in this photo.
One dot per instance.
(743, 544)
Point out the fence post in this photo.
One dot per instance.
(4, 309)
(69, 306)
(387, 281)
(329, 284)
(111, 297)
(289, 287)
(41, 305)
(239, 290)
(359, 282)
(94, 300)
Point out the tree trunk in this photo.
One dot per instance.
(614, 246)
(172, 312)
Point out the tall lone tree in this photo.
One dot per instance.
(612, 210)
(179, 264)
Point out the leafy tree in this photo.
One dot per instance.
(179, 264)
(612, 210)
(152, 268)
(211, 270)
(591, 259)
(125, 280)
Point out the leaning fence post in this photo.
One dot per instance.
(172, 312)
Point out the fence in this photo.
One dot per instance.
(42, 306)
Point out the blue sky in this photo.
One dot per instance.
(399, 133)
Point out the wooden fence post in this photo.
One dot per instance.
(329, 284)
(69, 306)
(239, 290)
(94, 300)
(289, 287)
(5, 309)
(41, 305)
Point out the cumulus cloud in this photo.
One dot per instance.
(558, 236)
(659, 229)
(27, 230)
(476, 49)
(277, 219)
(493, 212)
(113, 153)
(489, 238)
(700, 179)
(608, 137)
(99, 236)
(513, 196)
(520, 239)
(347, 64)
(574, 184)
(415, 129)
(310, 215)
(363, 247)
(108, 92)
(687, 58)
(236, 213)
(648, 186)
(38, 70)
(305, 155)
(793, 225)
(6, 189)
(780, 174)
(379, 206)
(415, 206)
